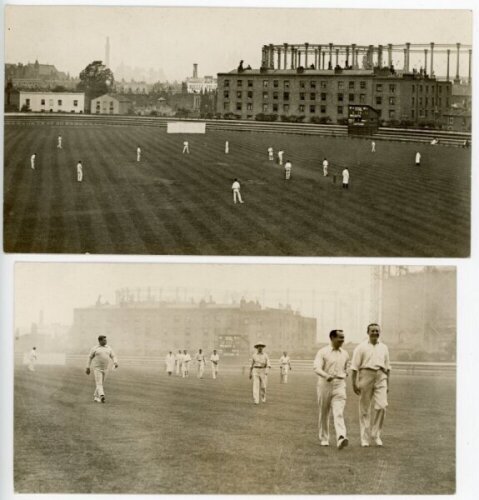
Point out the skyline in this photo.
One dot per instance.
(56, 289)
(172, 39)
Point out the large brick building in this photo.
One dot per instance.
(146, 326)
(326, 93)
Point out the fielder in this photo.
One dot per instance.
(325, 167)
(270, 154)
(227, 147)
(79, 172)
(373, 147)
(284, 367)
(186, 148)
(32, 160)
(200, 364)
(280, 158)
(32, 359)
(418, 159)
(138, 153)
(331, 365)
(236, 191)
(59, 143)
(370, 369)
(345, 175)
(170, 363)
(215, 359)
(259, 373)
(179, 363)
(185, 364)
(287, 170)
(99, 357)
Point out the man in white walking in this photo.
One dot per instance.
(186, 147)
(236, 191)
(325, 167)
(227, 147)
(284, 367)
(185, 364)
(32, 359)
(258, 372)
(99, 358)
(32, 160)
(370, 376)
(345, 174)
(170, 363)
(373, 147)
(179, 363)
(331, 364)
(138, 154)
(215, 359)
(200, 363)
(280, 157)
(79, 172)
(59, 142)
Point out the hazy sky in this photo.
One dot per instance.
(56, 289)
(215, 38)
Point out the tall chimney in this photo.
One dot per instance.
(107, 52)
(195, 70)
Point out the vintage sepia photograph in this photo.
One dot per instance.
(237, 131)
(234, 379)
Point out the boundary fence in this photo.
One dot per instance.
(447, 138)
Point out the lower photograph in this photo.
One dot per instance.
(234, 379)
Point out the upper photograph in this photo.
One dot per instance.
(237, 131)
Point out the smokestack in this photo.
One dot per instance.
(195, 70)
(107, 52)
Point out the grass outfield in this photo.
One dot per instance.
(170, 435)
(178, 204)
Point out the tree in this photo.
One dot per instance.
(96, 80)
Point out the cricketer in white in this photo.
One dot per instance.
(370, 376)
(331, 364)
(99, 357)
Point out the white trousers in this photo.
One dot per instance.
(373, 401)
(100, 376)
(31, 366)
(138, 156)
(237, 195)
(178, 367)
(325, 171)
(260, 382)
(184, 370)
(186, 149)
(201, 370)
(331, 398)
(214, 370)
(79, 175)
(284, 369)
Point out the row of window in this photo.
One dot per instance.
(425, 88)
(312, 84)
(427, 101)
(286, 108)
(351, 85)
(422, 113)
(312, 96)
(50, 102)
